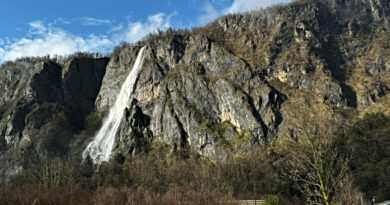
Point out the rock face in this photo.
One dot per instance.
(223, 89)
(44, 105)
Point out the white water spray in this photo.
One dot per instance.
(100, 148)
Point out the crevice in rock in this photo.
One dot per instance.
(333, 57)
(257, 115)
(281, 98)
(2, 141)
(183, 133)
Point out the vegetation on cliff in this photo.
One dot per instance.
(275, 104)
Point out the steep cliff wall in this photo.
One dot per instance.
(223, 89)
(44, 105)
(245, 79)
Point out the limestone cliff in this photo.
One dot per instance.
(240, 81)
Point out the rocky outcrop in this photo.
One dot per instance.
(222, 90)
(81, 82)
(45, 104)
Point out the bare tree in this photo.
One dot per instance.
(51, 171)
(317, 165)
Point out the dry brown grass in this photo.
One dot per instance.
(33, 194)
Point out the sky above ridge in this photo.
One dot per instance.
(62, 27)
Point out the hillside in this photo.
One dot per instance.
(221, 90)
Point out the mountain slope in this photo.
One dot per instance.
(222, 90)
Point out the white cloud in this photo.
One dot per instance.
(46, 39)
(136, 30)
(2, 52)
(61, 21)
(210, 13)
(239, 6)
(116, 28)
(37, 27)
(90, 21)
(7, 40)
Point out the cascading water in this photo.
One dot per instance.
(100, 148)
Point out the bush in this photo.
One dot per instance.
(161, 171)
(50, 171)
(369, 142)
(272, 200)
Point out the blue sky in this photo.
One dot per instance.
(62, 27)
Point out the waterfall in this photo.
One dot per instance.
(101, 146)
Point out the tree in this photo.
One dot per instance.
(317, 166)
(51, 171)
(368, 140)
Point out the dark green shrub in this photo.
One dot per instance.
(369, 142)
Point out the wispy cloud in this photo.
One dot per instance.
(90, 21)
(61, 21)
(239, 6)
(48, 39)
(2, 53)
(137, 30)
(37, 27)
(210, 13)
(116, 28)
